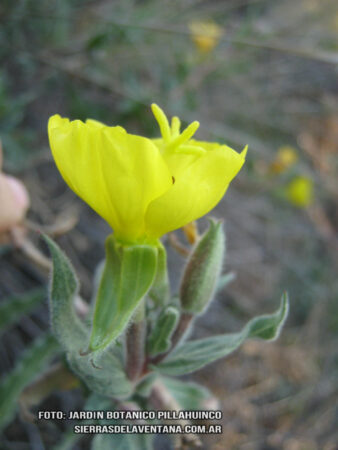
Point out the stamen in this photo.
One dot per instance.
(185, 135)
(175, 126)
(162, 121)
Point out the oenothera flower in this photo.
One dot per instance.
(143, 188)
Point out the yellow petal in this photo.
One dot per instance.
(116, 173)
(200, 183)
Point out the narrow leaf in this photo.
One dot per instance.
(194, 355)
(13, 308)
(224, 280)
(67, 326)
(160, 338)
(31, 363)
(128, 274)
(73, 335)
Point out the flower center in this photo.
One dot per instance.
(174, 140)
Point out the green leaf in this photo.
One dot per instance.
(34, 360)
(67, 326)
(194, 355)
(160, 290)
(144, 387)
(128, 274)
(160, 338)
(111, 379)
(122, 442)
(189, 395)
(224, 280)
(12, 309)
(93, 403)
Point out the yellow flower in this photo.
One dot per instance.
(205, 35)
(285, 158)
(300, 191)
(143, 188)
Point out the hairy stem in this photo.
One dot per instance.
(135, 345)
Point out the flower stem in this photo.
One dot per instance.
(135, 344)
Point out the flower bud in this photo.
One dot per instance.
(203, 270)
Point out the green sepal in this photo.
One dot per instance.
(194, 355)
(110, 380)
(160, 337)
(160, 290)
(203, 270)
(127, 276)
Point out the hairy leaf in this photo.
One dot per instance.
(160, 338)
(110, 379)
(189, 395)
(194, 355)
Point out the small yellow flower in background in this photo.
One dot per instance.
(286, 157)
(142, 187)
(205, 35)
(300, 191)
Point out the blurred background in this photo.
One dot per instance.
(256, 72)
